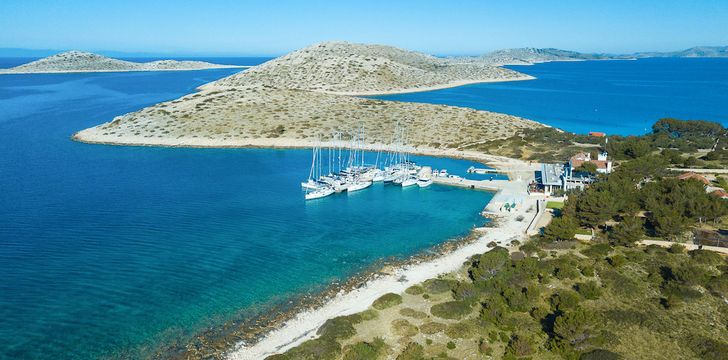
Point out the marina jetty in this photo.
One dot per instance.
(80, 61)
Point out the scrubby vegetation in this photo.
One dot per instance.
(656, 301)
(679, 143)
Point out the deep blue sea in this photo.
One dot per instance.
(115, 251)
(616, 97)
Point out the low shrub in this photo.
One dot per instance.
(415, 314)
(597, 251)
(706, 257)
(459, 330)
(519, 346)
(430, 328)
(387, 301)
(365, 350)
(338, 328)
(616, 260)
(415, 290)
(450, 345)
(677, 249)
(404, 328)
(564, 300)
(438, 286)
(599, 354)
(451, 310)
(413, 351)
(589, 290)
(316, 349)
(587, 270)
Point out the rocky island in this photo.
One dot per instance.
(79, 61)
(529, 56)
(303, 97)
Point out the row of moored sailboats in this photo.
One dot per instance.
(344, 169)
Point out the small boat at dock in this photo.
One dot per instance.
(319, 193)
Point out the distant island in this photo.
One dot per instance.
(527, 56)
(79, 61)
(301, 98)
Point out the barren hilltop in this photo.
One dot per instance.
(295, 99)
(79, 61)
(358, 69)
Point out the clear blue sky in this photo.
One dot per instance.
(216, 27)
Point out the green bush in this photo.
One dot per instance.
(459, 330)
(430, 328)
(599, 354)
(365, 350)
(494, 310)
(709, 349)
(516, 299)
(519, 346)
(489, 263)
(369, 314)
(529, 248)
(438, 286)
(675, 294)
(589, 290)
(409, 312)
(587, 270)
(564, 300)
(616, 260)
(415, 290)
(677, 249)
(566, 270)
(575, 326)
(413, 351)
(718, 286)
(465, 291)
(597, 251)
(451, 309)
(387, 301)
(316, 349)
(691, 274)
(338, 328)
(706, 257)
(450, 345)
(404, 328)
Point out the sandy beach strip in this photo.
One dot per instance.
(429, 88)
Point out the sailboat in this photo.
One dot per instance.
(315, 188)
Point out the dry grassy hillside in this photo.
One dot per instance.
(290, 99)
(356, 68)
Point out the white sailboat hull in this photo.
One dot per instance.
(409, 182)
(320, 193)
(358, 186)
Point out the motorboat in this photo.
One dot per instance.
(424, 182)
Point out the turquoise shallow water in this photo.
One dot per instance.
(616, 97)
(111, 251)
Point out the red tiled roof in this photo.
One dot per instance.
(579, 159)
(692, 175)
(597, 134)
(720, 193)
